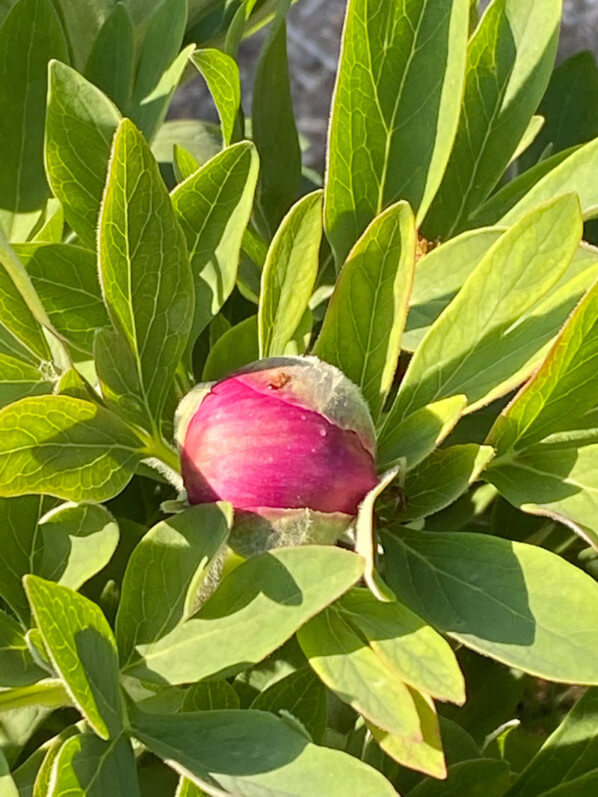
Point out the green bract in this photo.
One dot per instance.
(443, 261)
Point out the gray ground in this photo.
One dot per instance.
(313, 43)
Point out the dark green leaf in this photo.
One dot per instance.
(517, 603)
(273, 126)
(29, 37)
(17, 667)
(481, 778)
(111, 62)
(301, 694)
(83, 651)
(210, 696)
(237, 347)
(19, 379)
(395, 110)
(21, 547)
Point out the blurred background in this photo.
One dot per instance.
(314, 28)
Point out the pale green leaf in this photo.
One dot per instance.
(82, 23)
(289, 274)
(144, 273)
(514, 602)
(441, 478)
(166, 572)
(78, 541)
(201, 139)
(66, 280)
(30, 36)
(86, 766)
(213, 207)
(272, 756)
(469, 349)
(425, 755)
(66, 447)
(366, 543)
(183, 163)
(82, 649)
(7, 784)
(46, 693)
(395, 110)
(405, 643)
(255, 609)
(362, 328)
(509, 61)
(80, 125)
(221, 73)
(536, 123)
(353, 671)
(574, 173)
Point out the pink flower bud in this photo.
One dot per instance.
(283, 434)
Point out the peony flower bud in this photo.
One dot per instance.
(289, 442)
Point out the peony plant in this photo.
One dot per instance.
(297, 471)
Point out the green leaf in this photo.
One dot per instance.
(274, 757)
(66, 447)
(438, 277)
(145, 276)
(441, 478)
(517, 603)
(21, 547)
(408, 646)
(210, 696)
(421, 433)
(469, 350)
(201, 139)
(571, 174)
(536, 123)
(82, 23)
(221, 73)
(425, 755)
(7, 784)
(353, 671)
(537, 470)
(484, 777)
(289, 274)
(301, 694)
(19, 379)
(362, 329)
(213, 207)
(82, 649)
(80, 125)
(90, 767)
(509, 61)
(110, 65)
(159, 56)
(273, 126)
(66, 280)
(395, 111)
(165, 574)
(17, 667)
(570, 107)
(567, 754)
(49, 693)
(236, 348)
(21, 333)
(183, 163)
(366, 543)
(29, 36)
(78, 541)
(255, 609)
